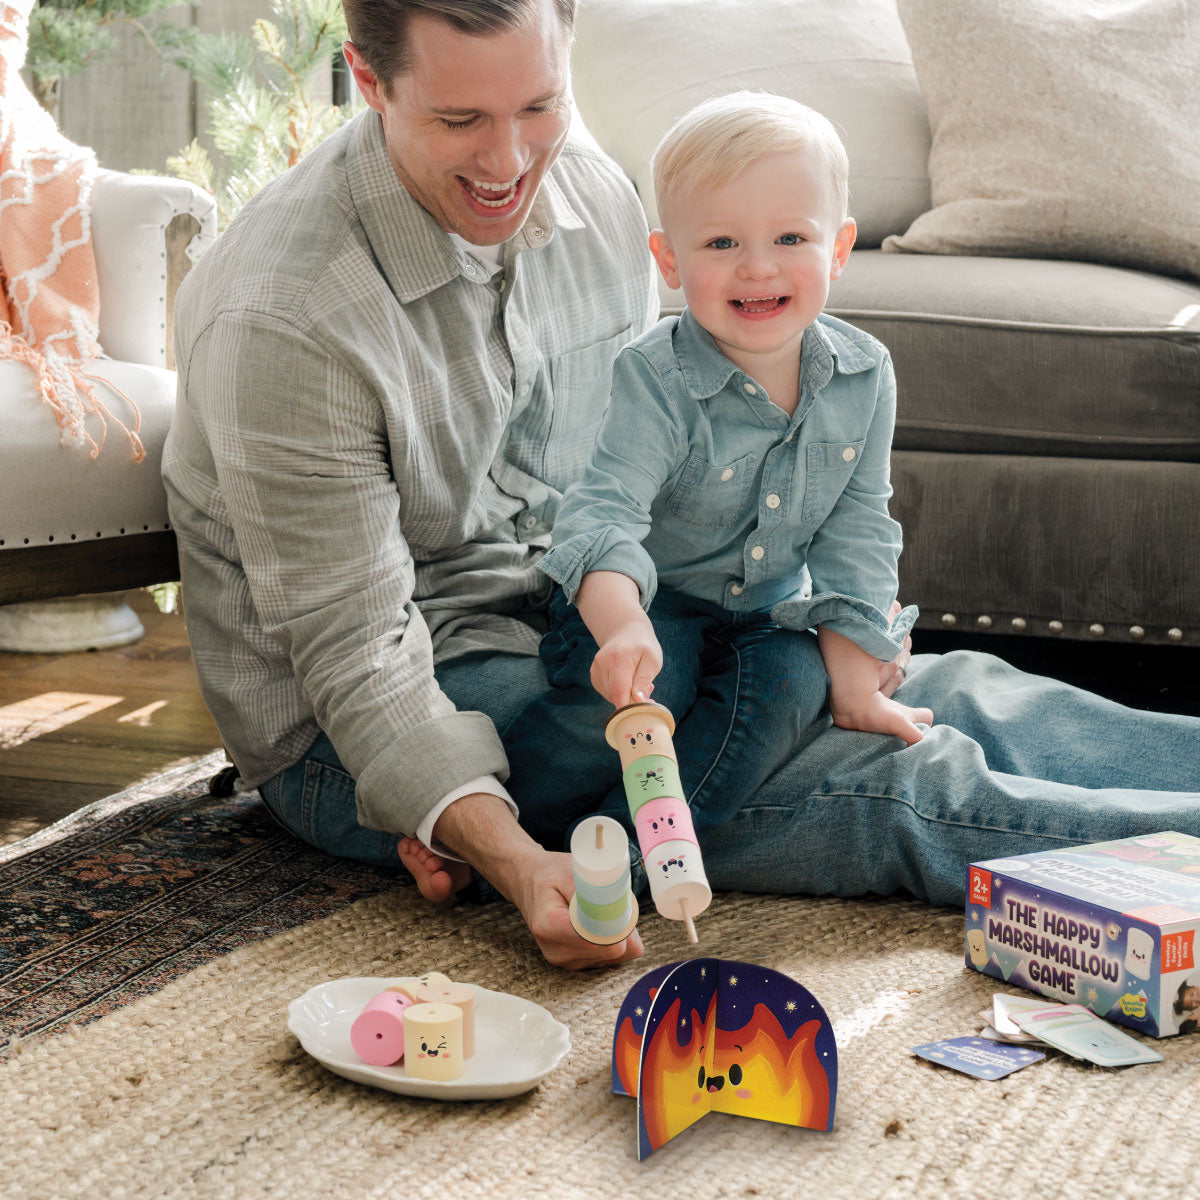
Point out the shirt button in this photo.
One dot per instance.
(757, 553)
(848, 454)
(750, 389)
(727, 475)
(470, 270)
(772, 501)
(537, 232)
(736, 589)
(524, 389)
(529, 522)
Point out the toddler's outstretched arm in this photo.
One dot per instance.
(629, 657)
(855, 701)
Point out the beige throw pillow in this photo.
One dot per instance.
(1061, 129)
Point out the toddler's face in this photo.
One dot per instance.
(755, 257)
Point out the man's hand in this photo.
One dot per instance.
(876, 713)
(626, 665)
(542, 893)
(481, 829)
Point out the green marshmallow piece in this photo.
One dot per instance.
(650, 777)
(603, 912)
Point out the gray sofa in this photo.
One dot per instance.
(1046, 461)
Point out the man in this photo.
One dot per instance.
(390, 366)
(378, 413)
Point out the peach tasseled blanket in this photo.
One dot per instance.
(49, 303)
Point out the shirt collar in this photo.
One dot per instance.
(706, 370)
(416, 254)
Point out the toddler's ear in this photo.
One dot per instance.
(664, 256)
(842, 245)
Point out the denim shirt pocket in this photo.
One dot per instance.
(713, 495)
(828, 467)
(580, 382)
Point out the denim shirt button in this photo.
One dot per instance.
(772, 501)
(736, 589)
(750, 389)
(757, 553)
(727, 475)
(848, 454)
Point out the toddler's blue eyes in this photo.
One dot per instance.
(790, 239)
(721, 243)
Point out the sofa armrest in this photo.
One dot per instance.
(146, 230)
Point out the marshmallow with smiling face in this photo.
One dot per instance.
(1139, 953)
(433, 1041)
(640, 729)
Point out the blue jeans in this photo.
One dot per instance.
(1016, 763)
(744, 692)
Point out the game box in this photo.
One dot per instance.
(1111, 925)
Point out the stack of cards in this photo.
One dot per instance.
(1016, 1024)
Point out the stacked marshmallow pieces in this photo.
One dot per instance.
(641, 734)
(603, 909)
(428, 1022)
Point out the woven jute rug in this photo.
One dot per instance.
(199, 1090)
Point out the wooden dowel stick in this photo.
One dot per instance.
(599, 836)
(689, 925)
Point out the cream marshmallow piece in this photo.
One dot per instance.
(462, 997)
(410, 987)
(433, 1041)
(640, 729)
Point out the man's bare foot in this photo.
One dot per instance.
(437, 878)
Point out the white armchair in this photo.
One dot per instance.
(70, 523)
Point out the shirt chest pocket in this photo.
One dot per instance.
(713, 495)
(828, 467)
(579, 388)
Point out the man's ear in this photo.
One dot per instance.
(364, 77)
(664, 256)
(842, 245)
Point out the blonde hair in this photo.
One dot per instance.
(718, 139)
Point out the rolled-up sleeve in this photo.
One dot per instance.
(854, 553)
(301, 458)
(605, 517)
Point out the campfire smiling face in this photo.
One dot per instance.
(476, 122)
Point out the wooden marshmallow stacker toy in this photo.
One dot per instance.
(641, 734)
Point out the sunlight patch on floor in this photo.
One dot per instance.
(141, 716)
(33, 718)
(864, 1019)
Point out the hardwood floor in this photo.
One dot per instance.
(77, 727)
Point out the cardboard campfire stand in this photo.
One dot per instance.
(711, 1035)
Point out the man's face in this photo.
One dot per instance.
(755, 256)
(477, 121)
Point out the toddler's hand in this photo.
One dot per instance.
(878, 714)
(624, 668)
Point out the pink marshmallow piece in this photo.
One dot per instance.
(663, 820)
(377, 1034)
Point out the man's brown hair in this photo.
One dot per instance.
(379, 28)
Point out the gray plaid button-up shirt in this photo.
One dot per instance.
(374, 429)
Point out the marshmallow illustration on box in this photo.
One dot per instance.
(1139, 950)
(641, 735)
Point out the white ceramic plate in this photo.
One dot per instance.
(517, 1043)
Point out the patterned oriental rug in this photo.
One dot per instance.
(135, 890)
(172, 1073)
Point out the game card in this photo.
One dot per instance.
(978, 1057)
(1080, 1033)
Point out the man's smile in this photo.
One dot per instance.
(496, 199)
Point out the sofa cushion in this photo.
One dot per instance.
(1060, 129)
(1033, 356)
(638, 65)
(53, 494)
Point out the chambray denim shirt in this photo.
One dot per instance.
(699, 483)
